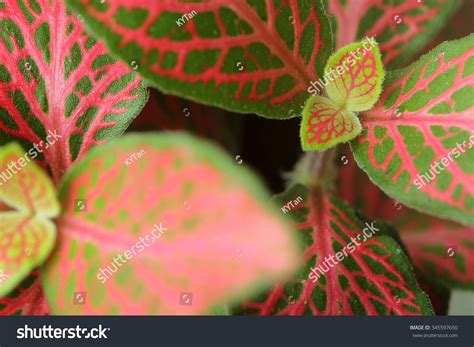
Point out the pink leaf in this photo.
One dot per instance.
(199, 233)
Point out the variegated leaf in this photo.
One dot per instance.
(200, 232)
(246, 56)
(417, 143)
(352, 267)
(60, 91)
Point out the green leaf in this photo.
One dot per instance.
(247, 56)
(402, 27)
(357, 76)
(417, 143)
(324, 125)
(353, 267)
(27, 234)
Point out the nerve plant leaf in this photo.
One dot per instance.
(441, 251)
(58, 85)
(246, 56)
(26, 299)
(200, 233)
(353, 79)
(324, 124)
(402, 27)
(27, 234)
(416, 144)
(351, 268)
(358, 75)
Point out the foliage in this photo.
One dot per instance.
(91, 220)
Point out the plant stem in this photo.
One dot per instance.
(316, 169)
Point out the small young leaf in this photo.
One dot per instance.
(246, 56)
(60, 91)
(351, 268)
(402, 27)
(324, 125)
(417, 143)
(223, 240)
(357, 76)
(27, 235)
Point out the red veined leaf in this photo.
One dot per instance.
(368, 277)
(361, 74)
(441, 251)
(60, 91)
(167, 112)
(459, 26)
(324, 124)
(201, 232)
(439, 296)
(416, 144)
(27, 299)
(27, 234)
(24, 186)
(401, 27)
(356, 189)
(246, 56)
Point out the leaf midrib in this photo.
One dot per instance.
(274, 41)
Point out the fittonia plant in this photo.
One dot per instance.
(67, 213)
